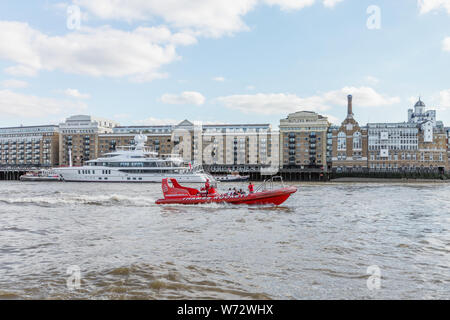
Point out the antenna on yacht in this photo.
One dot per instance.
(70, 157)
(140, 140)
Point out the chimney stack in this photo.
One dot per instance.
(349, 105)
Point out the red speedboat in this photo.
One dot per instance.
(177, 194)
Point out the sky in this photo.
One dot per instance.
(145, 62)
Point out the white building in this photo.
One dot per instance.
(87, 124)
(385, 138)
(420, 115)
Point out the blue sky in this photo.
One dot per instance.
(246, 61)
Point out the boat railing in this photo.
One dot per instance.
(171, 156)
(146, 150)
(268, 184)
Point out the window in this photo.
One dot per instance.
(357, 141)
(342, 141)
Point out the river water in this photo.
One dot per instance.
(328, 241)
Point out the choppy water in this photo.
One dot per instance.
(318, 245)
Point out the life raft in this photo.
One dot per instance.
(177, 194)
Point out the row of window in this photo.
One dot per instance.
(408, 156)
(342, 141)
(150, 164)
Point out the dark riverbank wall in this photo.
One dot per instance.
(11, 174)
(297, 175)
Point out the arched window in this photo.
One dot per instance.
(357, 141)
(342, 141)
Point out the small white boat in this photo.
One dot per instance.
(40, 175)
(233, 177)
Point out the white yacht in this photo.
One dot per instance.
(134, 164)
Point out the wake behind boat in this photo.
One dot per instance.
(134, 164)
(177, 194)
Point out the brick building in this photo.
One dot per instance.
(349, 146)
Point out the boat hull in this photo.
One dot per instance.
(272, 197)
(46, 179)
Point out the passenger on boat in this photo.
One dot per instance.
(209, 189)
(250, 187)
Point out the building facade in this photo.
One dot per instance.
(350, 144)
(28, 147)
(304, 140)
(447, 131)
(218, 147)
(78, 140)
(239, 147)
(417, 145)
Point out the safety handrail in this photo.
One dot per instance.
(270, 181)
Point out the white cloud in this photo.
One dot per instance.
(157, 122)
(138, 54)
(290, 4)
(271, 103)
(331, 3)
(372, 80)
(122, 116)
(16, 104)
(426, 6)
(186, 97)
(446, 44)
(211, 18)
(13, 83)
(412, 100)
(332, 119)
(362, 96)
(21, 71)
(444, 100)
(74, 93)
(219, 79)
(250, 87)
(281, 103)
